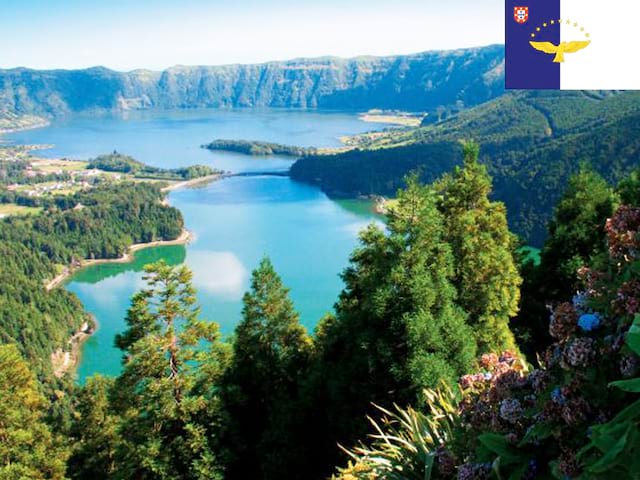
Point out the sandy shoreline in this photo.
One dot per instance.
(185, 237)
(64, 361)
(402, 120)
(42, 124)
(195, 181)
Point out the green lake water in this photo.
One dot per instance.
(236, 221)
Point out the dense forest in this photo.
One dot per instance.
(99, 223)
(254, 147)
(442, 336)
(532, 142)
(117, 162)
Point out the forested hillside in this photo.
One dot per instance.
(109, 220)
(437, 81)
(438, 311)
(531, 143)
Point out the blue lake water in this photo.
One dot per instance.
(236, 221)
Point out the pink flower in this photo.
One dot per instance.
(563, 321)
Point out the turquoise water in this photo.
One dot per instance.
(235, 221)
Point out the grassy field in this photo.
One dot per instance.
(46, 188)
(7, 209)
(52, 166)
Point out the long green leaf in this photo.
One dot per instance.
(609, 459)
(500, 446)
(632, 385)
(633, 341)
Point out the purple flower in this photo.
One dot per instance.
(473, 471)
(511, 410)
(580, 352)
(589, 321)
(629, 365)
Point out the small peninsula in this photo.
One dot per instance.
(258, 148)
(119, 163)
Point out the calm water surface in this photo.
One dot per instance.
(235, 221)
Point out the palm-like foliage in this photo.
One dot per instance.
(405, 444)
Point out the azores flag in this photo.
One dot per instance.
(572, 44)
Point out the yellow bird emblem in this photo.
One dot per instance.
(560, 50)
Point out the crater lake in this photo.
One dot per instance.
(235, 221)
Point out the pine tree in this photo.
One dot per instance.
(486, 275)
(575, 232)
(397, 328)
(629, 188)
(164, 394)
(271, 352)
(575, 237)
(28, 449)
(95, 430)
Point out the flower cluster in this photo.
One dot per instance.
(564, 321)
(474, 471)
(547, 414)
(627, 300)
(580, 352)
(622, 233)
(490, 400)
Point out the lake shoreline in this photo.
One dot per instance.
(185, 237)
(195, 181)
(406, 120)
(224, 215)
(65, 362)
(39, 124)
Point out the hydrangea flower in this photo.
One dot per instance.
(580, 302)
(557, 396)
(563, 321)
(580, 352)
(474, 471)
(589, 321)
(511, 410)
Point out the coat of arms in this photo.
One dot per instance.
(521, 14)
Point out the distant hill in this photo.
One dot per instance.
(438, 82)
(530, 141)
(10, 121)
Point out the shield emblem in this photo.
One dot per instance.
(521, 14)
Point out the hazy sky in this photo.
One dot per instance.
(129, 34)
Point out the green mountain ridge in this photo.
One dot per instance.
(531, 143)
(429, 81)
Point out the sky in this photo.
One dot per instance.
(156, 34)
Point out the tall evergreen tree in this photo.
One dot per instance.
(486, 275)
(629, 188)
(261, 387)
(575, 232)
(575, 236)
(161, 394)
(28, 449)
(95, 431)
(397, 327)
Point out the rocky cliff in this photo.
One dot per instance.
(437, 81)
